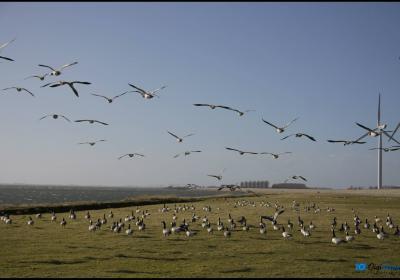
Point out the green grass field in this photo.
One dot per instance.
(47, 250)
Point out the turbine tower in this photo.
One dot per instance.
(379, 146)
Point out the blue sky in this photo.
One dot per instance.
(322, 62)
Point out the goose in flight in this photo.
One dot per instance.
(186, 153)
(280, 129)
(300, 135)
(70, 84)
(179, 139)
(235, 110)
(131, 155)
(375, 132)
(274, 217)
(275, 156)
(394, 131)
(19, 89)
(295, 177)
(5, 45)
(40, 77)
(92, 121)
(240, 152)
(55, 116)
(146, 94)
(346, 142)
(230, 187)
(391, 149)
(57, 72)
(218, 177)
(110, 100)
(92, 143)
(208, 105)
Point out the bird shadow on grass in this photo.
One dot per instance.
(239, 270)
(57, 262)
(322, 260)
(126, 271)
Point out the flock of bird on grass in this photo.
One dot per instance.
(119, 225)
(55, 72)
(288, 230)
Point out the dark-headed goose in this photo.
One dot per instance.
(180, 139)
(146, 94)
(57, 72)
(280, 129)
(19, 89)
(70, 84)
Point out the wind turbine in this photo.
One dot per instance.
(379, 146)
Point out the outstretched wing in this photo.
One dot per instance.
(6, 44)
(141, 90)
(139, 154)
(361, 137)
(175, 156)
(394, 132)
(201, 104)
(270, 124)
(122, 156)
(28, 92)
(191, 134)
(285, 153)
(101, 122)
(48, 84)
(100, 95)
(42, 65)
(43, 117)
(154, 91)
(6, 58)
(173, 135)
(67, 65)
(309, 137)
(231, 149)
(287, 137)
(267, 218)
(73, 89)
(304, 179)
(336, 141)
(277, 213)
(289, 123)
(65, 118)
(79, 82)
(366, 128)
(119, 95)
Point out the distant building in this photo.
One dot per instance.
(289, 186)
(255, 184)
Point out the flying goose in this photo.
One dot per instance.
(92, 121)
(346, 142)
(375, 132)
(235, 110)
(280, 129)
(19, 89)
(93, 143)
(275, 156)
(179, 139)
(57, 72)
(131, 155)
(3, 46)
(55, 116)
(231, 187)
(218, 177)
(110, 100)
(390, 149)
(295, 177)
(208, 105)
(240, 152)
(70, 84)
(274, 217)
(186, 153)
(40, 77)
(300, 134)
(146, 94)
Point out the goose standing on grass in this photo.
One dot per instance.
(186, 153)
(180, 139)
(220, 225)
(286, 234)
(397, 231)
(92, 227)
(189, 233)
(280, 129)
(240, 152)
(30, 221)
(300, 134)
(57, 72)
(289, 224)
(366, 225)
(381, 234)
(70, 84)
(5, 45)
(336, 240)
(104, 220)
(40, 77)
(263, 228)
(305, 232)
(165, 230)
(19, 89)
(110, 100)
(131, 155)
(275, 156)
(146, 94)
(55, 116)
(63, 222)
(349, 237)
(53, 216)
(227, 232)
(209, 228)
(92, 143)
(129, 231)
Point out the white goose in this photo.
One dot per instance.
(280, 129)
(146, 94)
(180, 139)
(57, 72)
(165, 231)
(286, 234)
(129, 231)
(336, 240)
